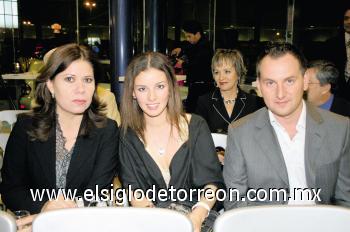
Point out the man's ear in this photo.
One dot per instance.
(306, 81)
(258, 86)
(326, 88)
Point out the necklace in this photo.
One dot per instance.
(162, 150)
(230, 101)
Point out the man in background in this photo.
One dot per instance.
(323, 77)
(199, 52)
(338, 51)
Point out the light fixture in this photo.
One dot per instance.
(56, 28)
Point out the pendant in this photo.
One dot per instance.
(161, 151)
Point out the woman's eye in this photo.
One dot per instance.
(227, 71)
(69, 79)
(161, 86)
(141, 89)
(89, 80)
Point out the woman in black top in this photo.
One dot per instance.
(227, 102)
(161, 147)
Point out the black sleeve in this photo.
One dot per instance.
(205, 163)
(105, 166)
(15, 188)
(127, 166)
(201, 108)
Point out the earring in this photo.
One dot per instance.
(53, 95)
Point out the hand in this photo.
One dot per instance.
(25, 223)
(221, 156)
(179, 61)
(196, 221)
(176, 51)
(59, 203)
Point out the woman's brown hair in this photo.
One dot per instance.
(44, 114)
(131, 113)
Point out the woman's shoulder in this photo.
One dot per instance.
(24, 120)
(212, 95)
(194, 119)
(252, 99)
(109, 127)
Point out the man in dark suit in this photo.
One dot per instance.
(289, 152)
(323, 76)
(338, 51)
(199, 53)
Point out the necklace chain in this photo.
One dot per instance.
(162, 150)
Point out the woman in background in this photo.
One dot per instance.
(161, 146)
(66, 143)
(227, 103)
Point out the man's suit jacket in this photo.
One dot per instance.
(340, 106)
(254, 159)
(335, 51)
(32, 164)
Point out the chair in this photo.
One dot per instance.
(112, 219)
(7, 222)
(284, 218)
(219, 140)
(8, 118)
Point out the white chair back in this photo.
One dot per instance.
(284, 218)
(8, 118)
(112, 219)
(7, 222)
(219, 140)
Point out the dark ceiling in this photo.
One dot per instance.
(272, 12)
(47, 12)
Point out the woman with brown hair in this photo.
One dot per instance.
(163, 148)
(66, 143)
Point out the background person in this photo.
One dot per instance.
(323, 77)
(161, 146)
(66, 142)
(199, 52)
(338, 51)
(227, 102)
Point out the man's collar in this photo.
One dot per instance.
(301, 123)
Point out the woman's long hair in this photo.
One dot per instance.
(44, 114)
(131, 114)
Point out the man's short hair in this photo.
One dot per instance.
(326, 73)
(192, 26)
(277, 50)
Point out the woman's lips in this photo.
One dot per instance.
(152, 106)
(79, 101)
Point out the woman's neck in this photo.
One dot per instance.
(157, 122)
(229, 94)
(69, 123)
